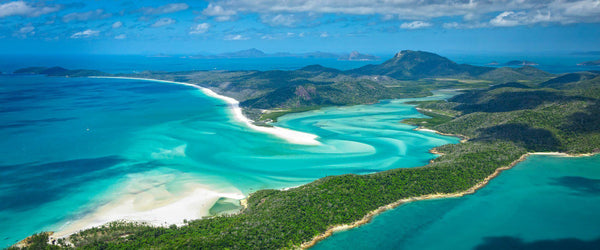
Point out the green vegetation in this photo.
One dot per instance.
(408, 74)
(435, 116)
(58, 71)
(413, 65)
(281, 219)
(590, 63)
(503, 121)
(272, 115)
(40, 241)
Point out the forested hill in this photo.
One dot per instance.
(503, 122)
(411, 65)
(407, 74)
(562, 114)
(59, 71)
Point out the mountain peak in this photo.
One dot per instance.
(252, 51)
(249, 53)
(405, 52)
(357, 56)
(410, 64)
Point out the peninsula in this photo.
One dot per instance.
(507, 114)
(590, 63)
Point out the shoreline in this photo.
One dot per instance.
(369, 216)
(194, 204)
(154, 207)
(461, 137)
(292, 136)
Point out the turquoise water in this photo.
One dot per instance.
(73, 147)
(545, 202)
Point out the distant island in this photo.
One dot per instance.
(59, 71)
(256, 53)
(590, 63)
(520, 63)
(505, 115)
(355, 56)
(587, 53)
(266, 95)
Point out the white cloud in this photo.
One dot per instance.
(474, 13)
(451, 25)
(507, 18)
(219, 13)
(465, 25)
(324, 34)
(86, 16)
(235, 37)
(21, 8)
(402, 8)
(287, 20)
(576, 10)
(85, 34)
(510, 18)
(169, 8)
(387, 17)
(27, 30)
(415, 25)
(121, 37)
(163, 22)
(117, 24)
(200, 28)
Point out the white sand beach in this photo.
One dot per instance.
(143, 200)
(289, 135)
(155, 206)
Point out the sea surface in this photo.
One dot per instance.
(139, 63)
(83, 149)
(71, 148)
(545, 202)
(553, 63)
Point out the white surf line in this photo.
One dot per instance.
(289, 135)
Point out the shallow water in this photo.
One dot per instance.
(545, 202)
(90, 150)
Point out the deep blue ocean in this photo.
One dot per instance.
(553, 63)
(77, 152)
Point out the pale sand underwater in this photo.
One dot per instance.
(165, 153)
(157, 206)
(289, 135)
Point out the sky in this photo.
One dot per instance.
(376, 26)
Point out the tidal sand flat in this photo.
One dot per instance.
(545, 201)
(82, 152)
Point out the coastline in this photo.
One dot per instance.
(154, 207)
(369, 216)
(193, 204)
(462, 137)
(292, 136)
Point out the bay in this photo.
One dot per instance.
(79, 151)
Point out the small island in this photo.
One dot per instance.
(355, 56)
(520, 63)
(590, 63)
